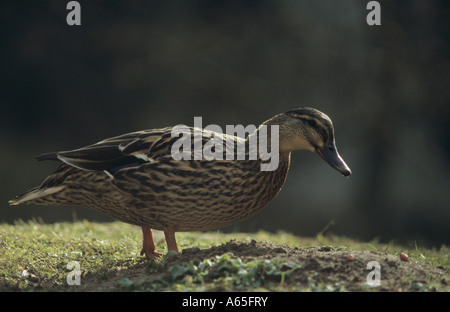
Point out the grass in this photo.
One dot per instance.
(35, 257)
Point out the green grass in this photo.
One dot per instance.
(34, 257)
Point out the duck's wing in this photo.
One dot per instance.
(113, 154)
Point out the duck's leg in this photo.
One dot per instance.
(148, 245)
(169, 233)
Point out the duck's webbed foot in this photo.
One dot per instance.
(148, 245)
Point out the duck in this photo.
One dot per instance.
(135, 178)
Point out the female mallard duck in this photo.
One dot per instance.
(134, 178)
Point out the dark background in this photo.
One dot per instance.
(136, 65)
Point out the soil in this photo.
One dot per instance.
(321, 268)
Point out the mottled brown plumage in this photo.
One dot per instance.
(135, 179)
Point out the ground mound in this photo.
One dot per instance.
(315, 268)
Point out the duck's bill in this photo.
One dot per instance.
(331, 156)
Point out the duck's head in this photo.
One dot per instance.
(310, 129)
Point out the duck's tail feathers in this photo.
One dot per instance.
(35, 195)
(47, 156)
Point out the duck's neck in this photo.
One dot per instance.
(282, 133)
(265, 143)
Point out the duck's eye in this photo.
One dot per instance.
(311, 122)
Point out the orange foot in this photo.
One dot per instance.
(169, 233)
(148, 245)
(151, 255)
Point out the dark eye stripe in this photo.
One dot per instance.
(311, 122)
(321, 128)
(315, 120)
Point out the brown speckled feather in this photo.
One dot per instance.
(134, 178)
(186, 195)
